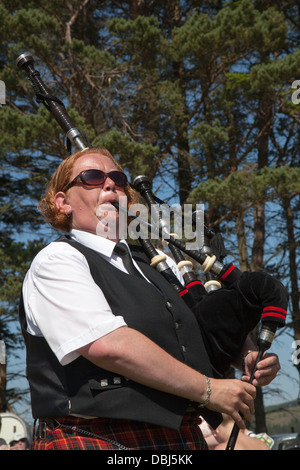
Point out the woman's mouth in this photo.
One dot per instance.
(104, 209)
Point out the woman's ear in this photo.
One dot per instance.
(61, 203)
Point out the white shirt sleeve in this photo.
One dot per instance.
(63, 303)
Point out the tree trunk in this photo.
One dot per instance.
(3, 403)
(295, 295)
(257, 261)
(184, 175)
(260, 416)
(242, 244)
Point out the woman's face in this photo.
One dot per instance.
(90, 207)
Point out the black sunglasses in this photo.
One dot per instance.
(97, 178)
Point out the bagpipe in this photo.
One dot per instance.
(231, 303)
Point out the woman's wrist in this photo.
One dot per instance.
(208, 393)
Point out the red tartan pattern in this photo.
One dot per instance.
(130, 434)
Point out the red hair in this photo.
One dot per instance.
(61, 179)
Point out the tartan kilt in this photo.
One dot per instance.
(71, 433)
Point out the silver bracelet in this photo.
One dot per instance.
(208, 393)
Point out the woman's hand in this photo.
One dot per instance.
(233, 397)
(267, 368)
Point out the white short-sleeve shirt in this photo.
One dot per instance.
(63, 303)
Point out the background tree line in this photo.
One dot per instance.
(194, 94)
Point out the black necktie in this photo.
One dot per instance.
(122, 250)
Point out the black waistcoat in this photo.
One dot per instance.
(81, 388)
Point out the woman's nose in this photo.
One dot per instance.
(108, 183)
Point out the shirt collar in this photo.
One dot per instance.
(95, 242)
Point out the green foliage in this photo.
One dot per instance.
(141, 36)
(248, 187)
(130, 154)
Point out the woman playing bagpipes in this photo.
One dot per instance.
(115, 358)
